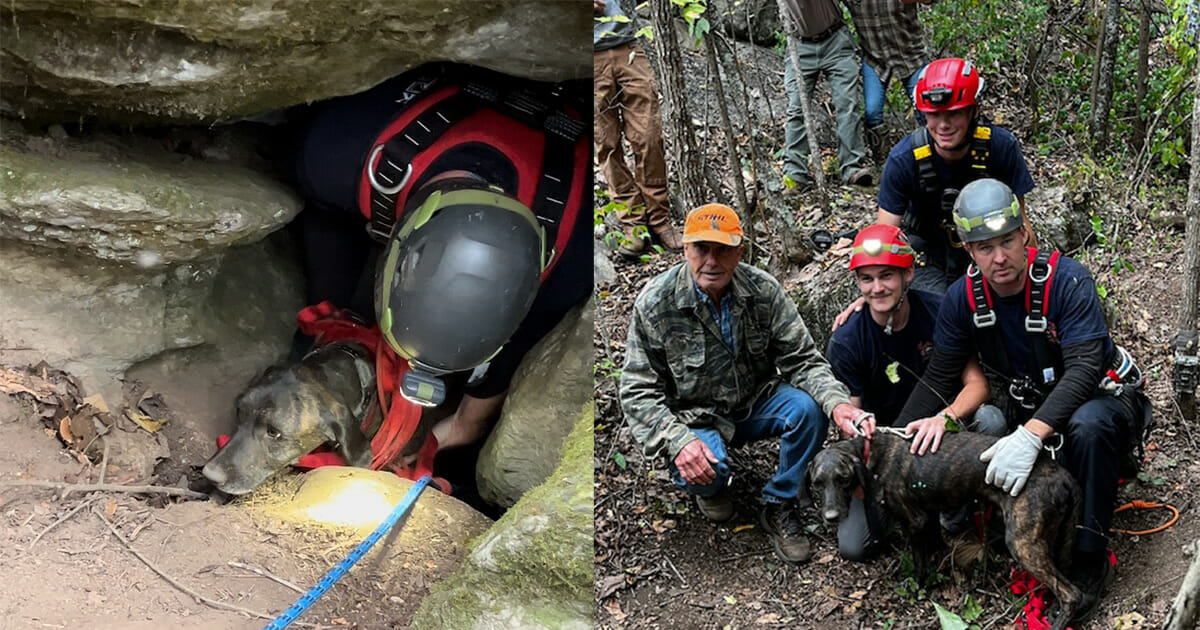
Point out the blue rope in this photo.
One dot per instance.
(340, 570)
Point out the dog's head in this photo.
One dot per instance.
(283, 414)
(834, 474)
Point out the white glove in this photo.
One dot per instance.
(1012, 458)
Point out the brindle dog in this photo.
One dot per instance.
(290, 410)
(1039, 522)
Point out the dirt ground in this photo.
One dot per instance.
(660, 564)
(66, 569)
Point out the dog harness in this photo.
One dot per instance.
(547, 147)
(327, 324)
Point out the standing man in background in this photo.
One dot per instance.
(824, 47)
(893, 47)
(626, 103)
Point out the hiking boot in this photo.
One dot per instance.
(632, 244)
(1093, 578)
(781, 521)
(861, 177)
(668, 236)
(876, 141)
(717, 508)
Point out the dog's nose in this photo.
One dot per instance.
(215, 474)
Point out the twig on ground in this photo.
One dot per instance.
(266, 574)
(193, 594)
(1168, 581)
(103, 462)
(677, 573)
(66, 516)
(106, 487)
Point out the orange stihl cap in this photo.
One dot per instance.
(713, 223)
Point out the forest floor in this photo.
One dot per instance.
(661, 564)
(81, 560)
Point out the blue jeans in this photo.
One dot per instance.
(875, 95)
(787, 413)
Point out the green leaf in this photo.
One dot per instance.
(645, 31)
(620, 460)
(893, 372)
(971, 609)
(949, 620)
(730, 599)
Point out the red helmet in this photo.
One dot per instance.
(881, 244)
(946, 85)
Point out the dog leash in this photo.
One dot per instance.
(336, 573)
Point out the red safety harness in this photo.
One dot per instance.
(326, 324)
(541, 136)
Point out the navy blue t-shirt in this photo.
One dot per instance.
(860, 355)
(1074, 313)
(900, 190)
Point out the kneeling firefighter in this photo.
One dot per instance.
(472, 184)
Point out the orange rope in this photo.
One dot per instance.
(1138, 504)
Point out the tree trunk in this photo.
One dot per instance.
(735, 159)
(1143, 71)
(1106, 55)
(677, 122)
(752, 206)
(1186, 339)
(1185, 612)
(1032, 95)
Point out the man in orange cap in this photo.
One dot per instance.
(717, 357)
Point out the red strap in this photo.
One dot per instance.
(327, 323)
(1053, 267)
(1032, 253)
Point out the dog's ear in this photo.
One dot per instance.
(340, 426)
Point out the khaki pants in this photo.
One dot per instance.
(626, 101)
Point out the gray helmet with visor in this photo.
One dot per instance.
(457, 277)
(986, 208)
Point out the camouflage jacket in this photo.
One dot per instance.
(679, 373)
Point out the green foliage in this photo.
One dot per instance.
(693, 13)
(997, 35)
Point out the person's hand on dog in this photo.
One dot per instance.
(926, 434)
(695, 461)
(853, 421)
(1011, 459)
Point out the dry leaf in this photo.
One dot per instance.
(110, 508)
(742, 528)
(146, 422)
(768, 618)
(97, 401)
(613, 607)
(64, 430)
(610, 584)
